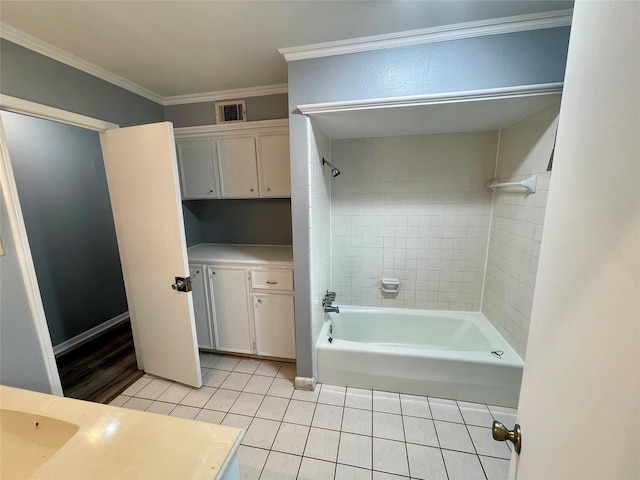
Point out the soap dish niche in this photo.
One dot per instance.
(390, 285)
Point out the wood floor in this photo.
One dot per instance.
(101, 369)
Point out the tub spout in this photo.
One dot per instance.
(331, 309)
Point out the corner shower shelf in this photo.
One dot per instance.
(528, 184)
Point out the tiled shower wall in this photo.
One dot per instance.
(415, 208)
(516, 227)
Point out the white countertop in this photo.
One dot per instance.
(113, 442)
(244, 254)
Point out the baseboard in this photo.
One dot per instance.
(305, 383)
(84, 337)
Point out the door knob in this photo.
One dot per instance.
(502, 434)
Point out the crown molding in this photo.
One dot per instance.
(226, 94)
(40, 46)
(444, 33)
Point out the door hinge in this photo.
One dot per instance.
(255, 348)
(182, 284)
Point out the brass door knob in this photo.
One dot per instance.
(502, 434)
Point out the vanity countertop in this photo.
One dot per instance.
(242, 254)
(111, 442)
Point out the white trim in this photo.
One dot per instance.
(26, 107)
(305, 383)
(226, 94)
(443, 33)
(433, 99)
(40, 46)
(247, 128)
(27, 268)
(90, 334)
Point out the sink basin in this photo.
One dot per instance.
(27, 441)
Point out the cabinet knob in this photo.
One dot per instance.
(268, 189)
(251, 189)
(259, 300)
(210, 191)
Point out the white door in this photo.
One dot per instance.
(580, 401)
(273, 166)
(142, 175)
(198, 168)
(238, 169)
(201, 309)
(274, 324)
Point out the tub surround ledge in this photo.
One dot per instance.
(113, 442)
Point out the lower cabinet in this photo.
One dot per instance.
(273, 316)
(204, 327)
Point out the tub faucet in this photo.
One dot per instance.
(331, 309)
(328, 299)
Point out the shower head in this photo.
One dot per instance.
(334, 171)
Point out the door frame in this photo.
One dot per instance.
(16, 219)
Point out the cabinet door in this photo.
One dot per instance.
(273, 166)
(198, 169)
(238, 168)
(230, 307)
(275, 329)
(201, 311)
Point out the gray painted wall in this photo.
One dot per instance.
(28, 75)
(268, 107)
(63, 193)
(513, 59)
(263, 221)
(21, 361)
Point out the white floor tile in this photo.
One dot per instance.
(281, 466)
(387, 476)
(332, 395)
(287, 370)
(174, 394)
(136, 386)
(462, 466)
(247, 404)
(446, 410)
(251, 461)
(300, 412)
(486, 445)
(273, 408)
(386, 402)
(222, 400)
(495, 468)
(261, 433)
(153, 389)
(327, 416)
(476, 414)
(135, 403)
(268, 369)
(359, 398)
(215, 377)
(390, 456)
(421, 431)
(312, 469)
(426, 463)
(307, 395)
(388, 425)
(208, 360)
(281, 387)
(227, 363)
(119, 401)
(355, 450)
(291, 438)
(210, 416)
(237, 421)
(357, 421)
(236, 381)
(198, 397)
(322, 444)
(505, 415)
(183, 411)
(204, 371)
(161, 408)
(247, 365)
(347, 472)
(454, 436)
(415, 406)
(258, 384)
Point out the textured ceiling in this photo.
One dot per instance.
(185, 47)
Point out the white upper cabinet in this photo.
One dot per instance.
(198, 168)
(238, 169)
(240, 161)
(273, 166)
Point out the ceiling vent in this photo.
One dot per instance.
(230, 112)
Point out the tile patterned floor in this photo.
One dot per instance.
(334, 432)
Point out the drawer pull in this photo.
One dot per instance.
(271, 283)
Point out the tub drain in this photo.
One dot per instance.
(497, 353)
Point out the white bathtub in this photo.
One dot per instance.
(421, 352)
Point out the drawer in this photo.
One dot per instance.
(272, 278)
